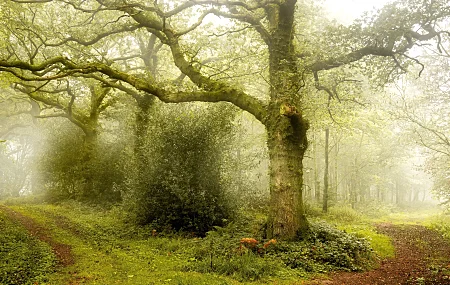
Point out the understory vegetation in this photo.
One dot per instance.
(110, 249)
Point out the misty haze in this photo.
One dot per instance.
(224, 142)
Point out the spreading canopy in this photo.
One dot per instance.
(105, 40)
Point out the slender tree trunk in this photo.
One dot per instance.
(286, 129)
(316, 171)
(336, 171)
(325, 175)
(354, 184)
(398, 198)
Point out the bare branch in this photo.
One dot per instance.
(247, 18)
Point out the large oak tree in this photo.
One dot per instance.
(49, 40)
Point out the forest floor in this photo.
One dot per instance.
(422, 256)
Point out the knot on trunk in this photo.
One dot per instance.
(298, 123)
(288, 110)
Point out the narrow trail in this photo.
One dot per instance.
(63, 252)
(422, 257)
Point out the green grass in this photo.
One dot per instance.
(107, 251)
(362, 223)
(110, 250)
(23, 259)
(441, 223)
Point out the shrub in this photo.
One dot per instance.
(441, 223)
(312, 210)
(228, 251)
(182, 188)
(327, 248)
(64, 167)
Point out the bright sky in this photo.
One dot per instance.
(345, 11)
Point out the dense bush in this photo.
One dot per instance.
(23, 259)
(441, 223)
(182, 188)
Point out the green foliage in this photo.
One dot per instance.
(377, 210)
(327, 248)
(223, 251)
(181, 188)
(381, 244)
(23, 259)
(109, 250)
(441, 223)
(231, 251)
(339, 214)
(313, 210)
(245, 267)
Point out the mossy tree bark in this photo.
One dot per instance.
(286, 129)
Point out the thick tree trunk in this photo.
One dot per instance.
(287, 144)
(90, 129)
(286, 129)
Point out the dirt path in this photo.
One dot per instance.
(422, 257)
(63, 252)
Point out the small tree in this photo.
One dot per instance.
(184, 189)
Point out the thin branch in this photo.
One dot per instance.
(96, 39)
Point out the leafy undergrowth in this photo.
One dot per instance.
(359, 225)
(441, 223)
(109, 250)
(326, 249)
(23, 259)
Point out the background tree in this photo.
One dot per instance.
(18, 143)
(421, 108)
